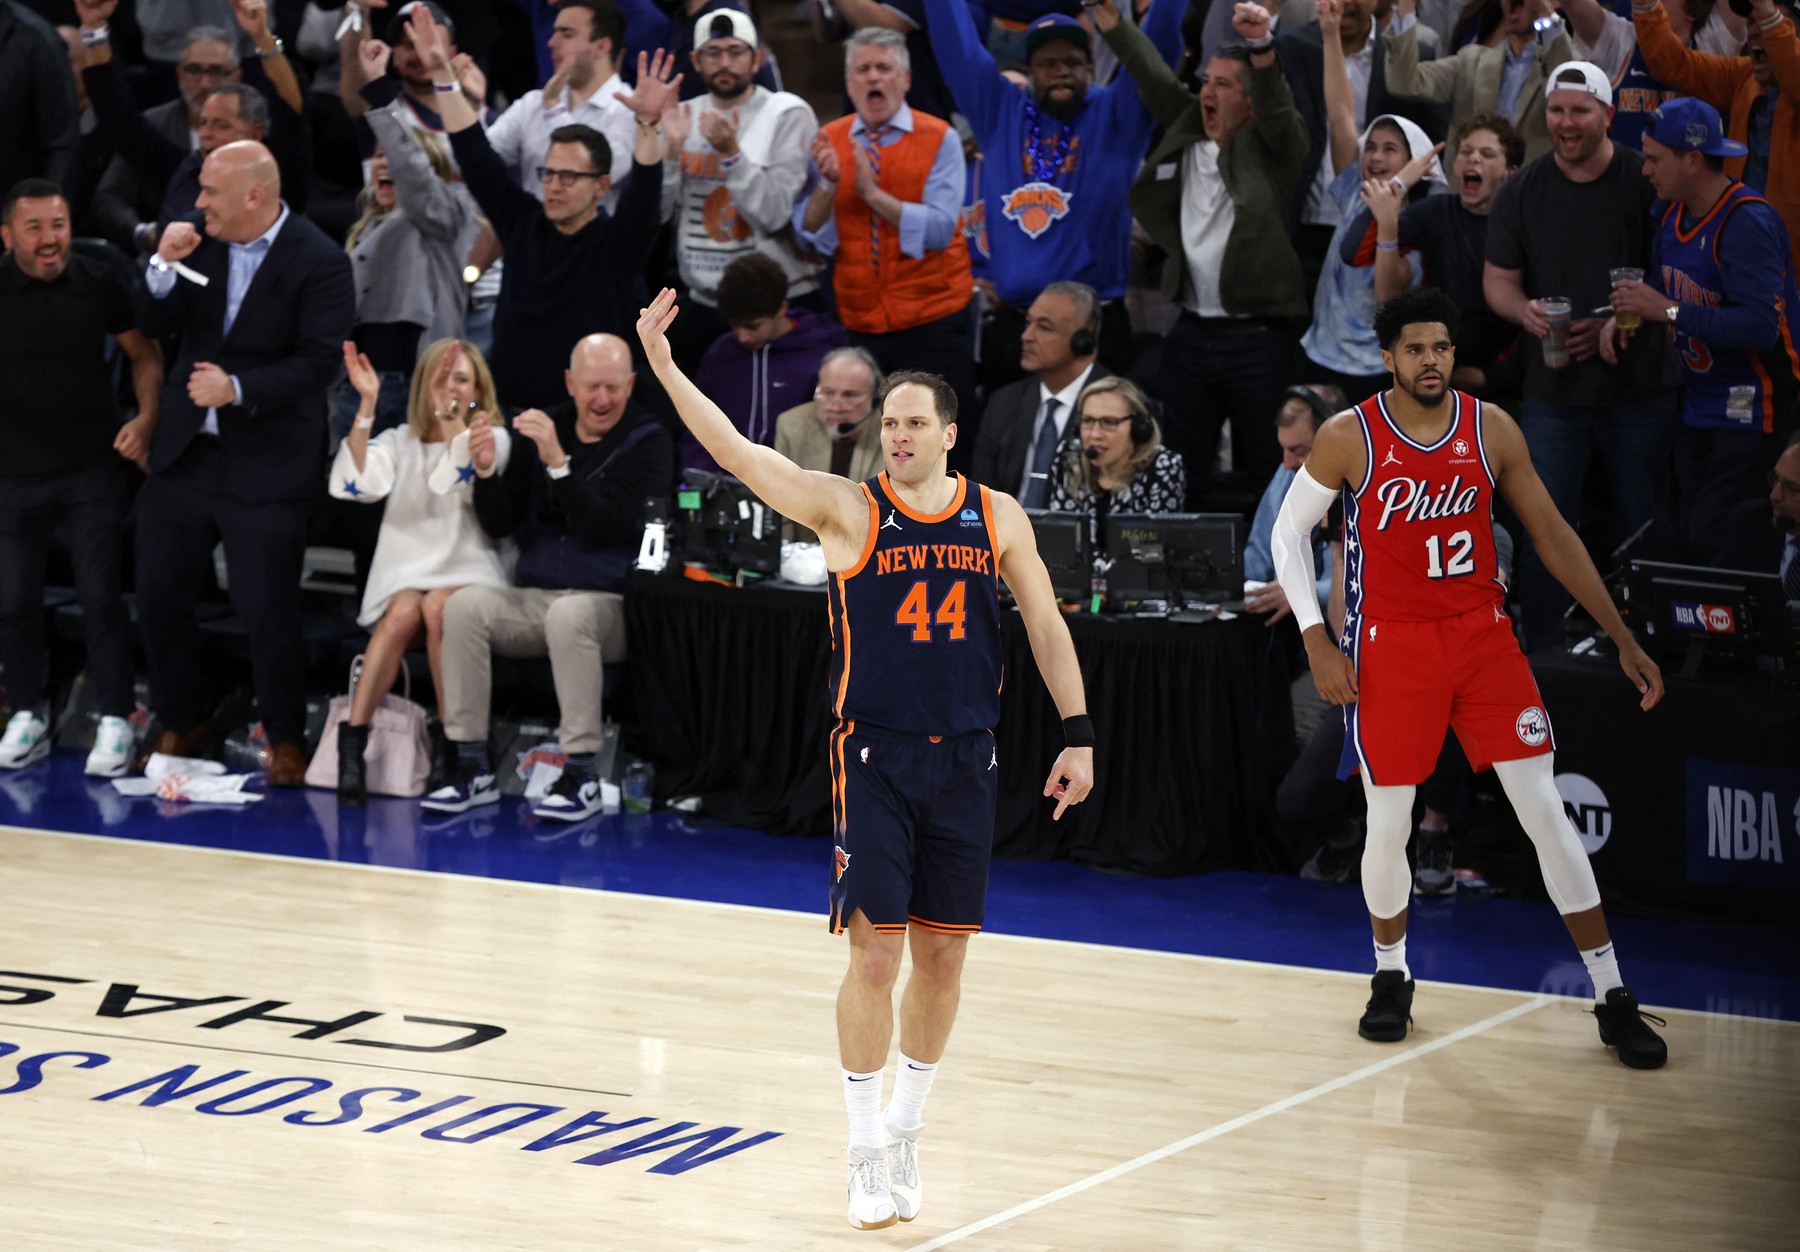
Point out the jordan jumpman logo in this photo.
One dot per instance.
(1391, 458)
(891, 522)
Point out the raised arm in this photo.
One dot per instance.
(1162, 93)
(968, 68)
(1071, 777)
(1340, 102)
(823, 502)
(1412, 79)
(254, 19)
(1560, 548)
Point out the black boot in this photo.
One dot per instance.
(353, 785)
(441, 756)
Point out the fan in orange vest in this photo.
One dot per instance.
(887, 194)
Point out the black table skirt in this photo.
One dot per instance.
(1193, 721)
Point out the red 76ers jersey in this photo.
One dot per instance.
(1419, 533)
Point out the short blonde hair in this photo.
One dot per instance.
(1079, 477)
(419, 417)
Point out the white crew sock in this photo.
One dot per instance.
(911, 1085)
(1392, 956)
(1603, 967)
(862, 1100)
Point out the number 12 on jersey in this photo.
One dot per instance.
(1462, 555)
(915, 611)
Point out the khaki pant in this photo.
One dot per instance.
(578, 630)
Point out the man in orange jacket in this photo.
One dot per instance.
(1758, 92)
(886, 192)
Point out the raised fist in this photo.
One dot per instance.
(178, 242)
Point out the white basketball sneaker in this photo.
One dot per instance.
(27, 740)
(903, 1170)
(871, 1203)
(114, 744)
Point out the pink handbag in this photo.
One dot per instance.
(399, 753)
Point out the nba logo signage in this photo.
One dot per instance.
(1036, 207)
(1709, 619)
(1743, 825)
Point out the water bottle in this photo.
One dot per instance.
(637, 787)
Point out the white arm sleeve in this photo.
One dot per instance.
(1305, 507)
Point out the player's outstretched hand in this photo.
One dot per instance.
(653, 328)
(1071, 778)
(1644, 674)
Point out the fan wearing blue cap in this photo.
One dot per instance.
(1060, 156)
(1726, 276)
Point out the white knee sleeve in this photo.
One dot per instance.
(1386, 882)
(1531, 786)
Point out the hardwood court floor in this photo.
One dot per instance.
(1094, 1098)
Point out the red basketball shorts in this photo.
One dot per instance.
(1414, 679)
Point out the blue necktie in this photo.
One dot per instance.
(1037, 489)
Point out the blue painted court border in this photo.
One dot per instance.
(1512, 944)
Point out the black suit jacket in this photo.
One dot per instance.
(1303, 62)
(1004, 441)
(285, 349)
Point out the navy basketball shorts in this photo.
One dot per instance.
(913, 828)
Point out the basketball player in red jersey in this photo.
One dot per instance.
(1427, 642)
(915, 556)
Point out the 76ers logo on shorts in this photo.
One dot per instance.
(1533, 727)
(841, 863)
(1036, 206)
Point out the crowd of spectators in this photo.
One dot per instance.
(270, 262)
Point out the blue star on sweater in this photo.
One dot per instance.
(465, 473)
(350, 487)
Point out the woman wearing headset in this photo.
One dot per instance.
(1117, 448)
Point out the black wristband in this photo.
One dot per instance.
(1078, 731)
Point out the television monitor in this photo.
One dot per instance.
(1062, 540)
(725, 526)
(1719, 618)
(1165, 561)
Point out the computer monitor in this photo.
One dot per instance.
(1172, 559)
(1062, 540)
(724, 526)
(1723, 619)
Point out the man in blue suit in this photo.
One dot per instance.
(262, 304)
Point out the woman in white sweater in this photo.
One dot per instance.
(430, 542)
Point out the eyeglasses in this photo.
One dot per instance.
(1782, 485)
(562, 178)
(193, 69)
(825, 395)
(734, 52)
(1103, 423)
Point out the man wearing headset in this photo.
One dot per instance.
(1024, 422)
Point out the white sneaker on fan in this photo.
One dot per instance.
(114, 744)
(27, 740)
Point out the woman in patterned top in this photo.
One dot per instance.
(1117, 448)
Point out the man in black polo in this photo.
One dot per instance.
(65, 463)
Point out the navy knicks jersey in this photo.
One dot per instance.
(915, 624)
(1727, 388)
(1419, 533)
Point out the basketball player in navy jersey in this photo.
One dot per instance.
(1427, 643)
(915, 556)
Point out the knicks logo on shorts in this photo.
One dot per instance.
(1533, 727)
(720, 217)
(1036, 207)
(841, 863)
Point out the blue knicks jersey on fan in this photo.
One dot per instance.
(915, 624)
(1419, 534)
(1728, 388)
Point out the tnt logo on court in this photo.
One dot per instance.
(1587, 808)
(841, 862)
(1036, 207)
(1532, 727)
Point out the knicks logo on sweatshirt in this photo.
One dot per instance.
(720, 217)
(1036, 207)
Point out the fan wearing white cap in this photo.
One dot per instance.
(1558, 230)
(737, 158)
(1606, 33)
